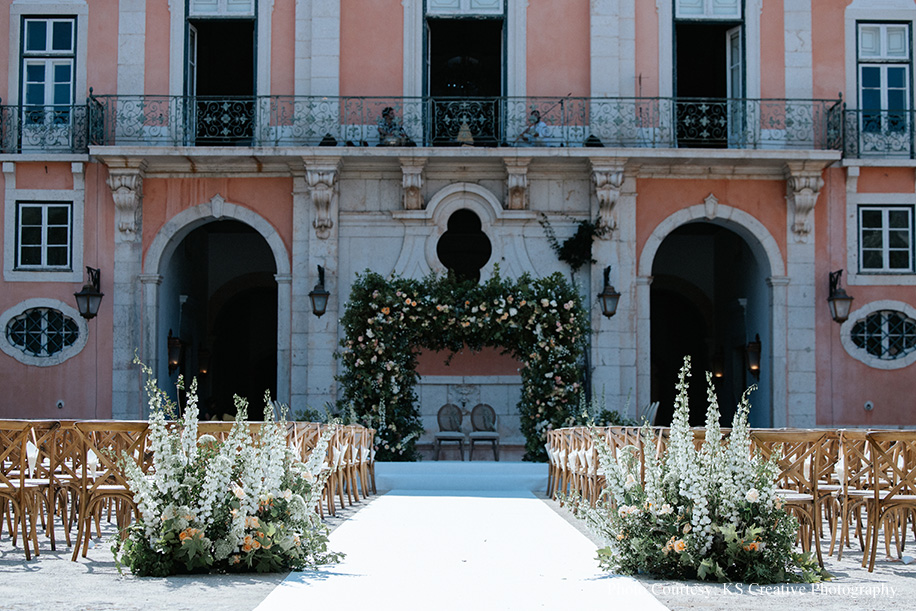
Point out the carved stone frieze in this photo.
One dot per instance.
(607, 176)
(804, 185)
(126, 186)
(322, 180)
(517, 171)
(412, 182)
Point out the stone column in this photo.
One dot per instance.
(803, 185)
(126, 185)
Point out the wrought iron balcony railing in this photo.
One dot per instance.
(880, 133)
(45, 129)
(269, 121)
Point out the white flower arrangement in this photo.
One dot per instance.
(700, 513)
(239, 505)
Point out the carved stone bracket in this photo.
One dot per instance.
(126, 186)
(803, 187)
(607, 176)
(322, 178)
(517, 170)
(412, 181)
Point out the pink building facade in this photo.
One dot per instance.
(208, 155)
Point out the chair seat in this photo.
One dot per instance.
(450, 436)
(790, 496)
(484, 435)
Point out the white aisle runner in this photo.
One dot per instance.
(415, 549)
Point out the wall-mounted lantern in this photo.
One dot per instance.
(319, 295)
(89, 298)
(752, 352)
(175, 348)
(608, 297)
(839, 302)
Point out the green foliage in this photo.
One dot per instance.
(540, 321)
(576, 250)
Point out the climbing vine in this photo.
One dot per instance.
(539, 321)
(575, 250)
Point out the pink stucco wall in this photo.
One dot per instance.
(102, 61)
(558, 48)
(271, 198)
(844, 384)
(371, 48)
(646, 49)
(829, 47)
(5, 55)
(886, 180)
(158, 41)
(772, 50)
(84, 381)
(660, 198)
(44, 175)
(282, 48)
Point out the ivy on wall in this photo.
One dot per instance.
(539, 321)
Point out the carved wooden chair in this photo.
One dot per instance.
(485, 423)
(449, 419)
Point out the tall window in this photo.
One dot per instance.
(884, 77)
(48, 56)
(43, 235)
(886, 239)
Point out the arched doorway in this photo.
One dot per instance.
(219, 297)
(709, 298)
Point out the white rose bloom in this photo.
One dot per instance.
(752, 496)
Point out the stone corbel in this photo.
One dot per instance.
(607, 176)
(804, 185)
(412, 181)
(322, 178)
(126, 186)
(517, 170)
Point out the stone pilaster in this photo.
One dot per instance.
(127, 311)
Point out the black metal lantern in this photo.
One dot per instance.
(752, 352)
(89, 298)
(608, 297)
(319, 295)
(175, 349)
(839, 302)
(203, 361)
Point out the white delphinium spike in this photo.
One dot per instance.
(189, 426)
(654, 475)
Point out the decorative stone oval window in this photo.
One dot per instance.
(882, 334)
(43, 332)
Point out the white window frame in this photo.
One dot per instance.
(709, 9)
(221, 8)
(58, 357)
(885, 241)
(74, 9)
(464, 7)
(44, 245)
(14, 196)
(861, 354)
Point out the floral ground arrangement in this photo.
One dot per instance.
(240, 505)
(707, 513)
(540, 321)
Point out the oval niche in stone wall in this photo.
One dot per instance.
(464, 248)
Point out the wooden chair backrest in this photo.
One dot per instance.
(893, 462)
(109, 441)
(798, 455)
(14, 435)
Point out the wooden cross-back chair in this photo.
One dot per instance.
(856, 481)
(893, 498)
(17, 495)
(107, 442)
(798, 455)
(44, 477)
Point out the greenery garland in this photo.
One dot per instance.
(539, 321)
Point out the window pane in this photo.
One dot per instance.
(872, 260)
(30, 255)
(30, 236)
(871, 77)
(896, 77)
(898, 219)
(30, 215)
(58, 215)
(58, 257)
(690, 7)
(62, 95)
(872, 239)
(34, 73)
(896, 42)
(58, 236)
(872, 218)
(62, 36)
(36, 36)
(899, 259)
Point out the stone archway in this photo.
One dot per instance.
(766, 251)
(163, 246)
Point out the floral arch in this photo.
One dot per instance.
(540, 321)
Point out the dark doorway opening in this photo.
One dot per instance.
(708, 72)
(464, 248)
(221, 75)
(465, 80)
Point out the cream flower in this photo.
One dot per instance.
(752, 496)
